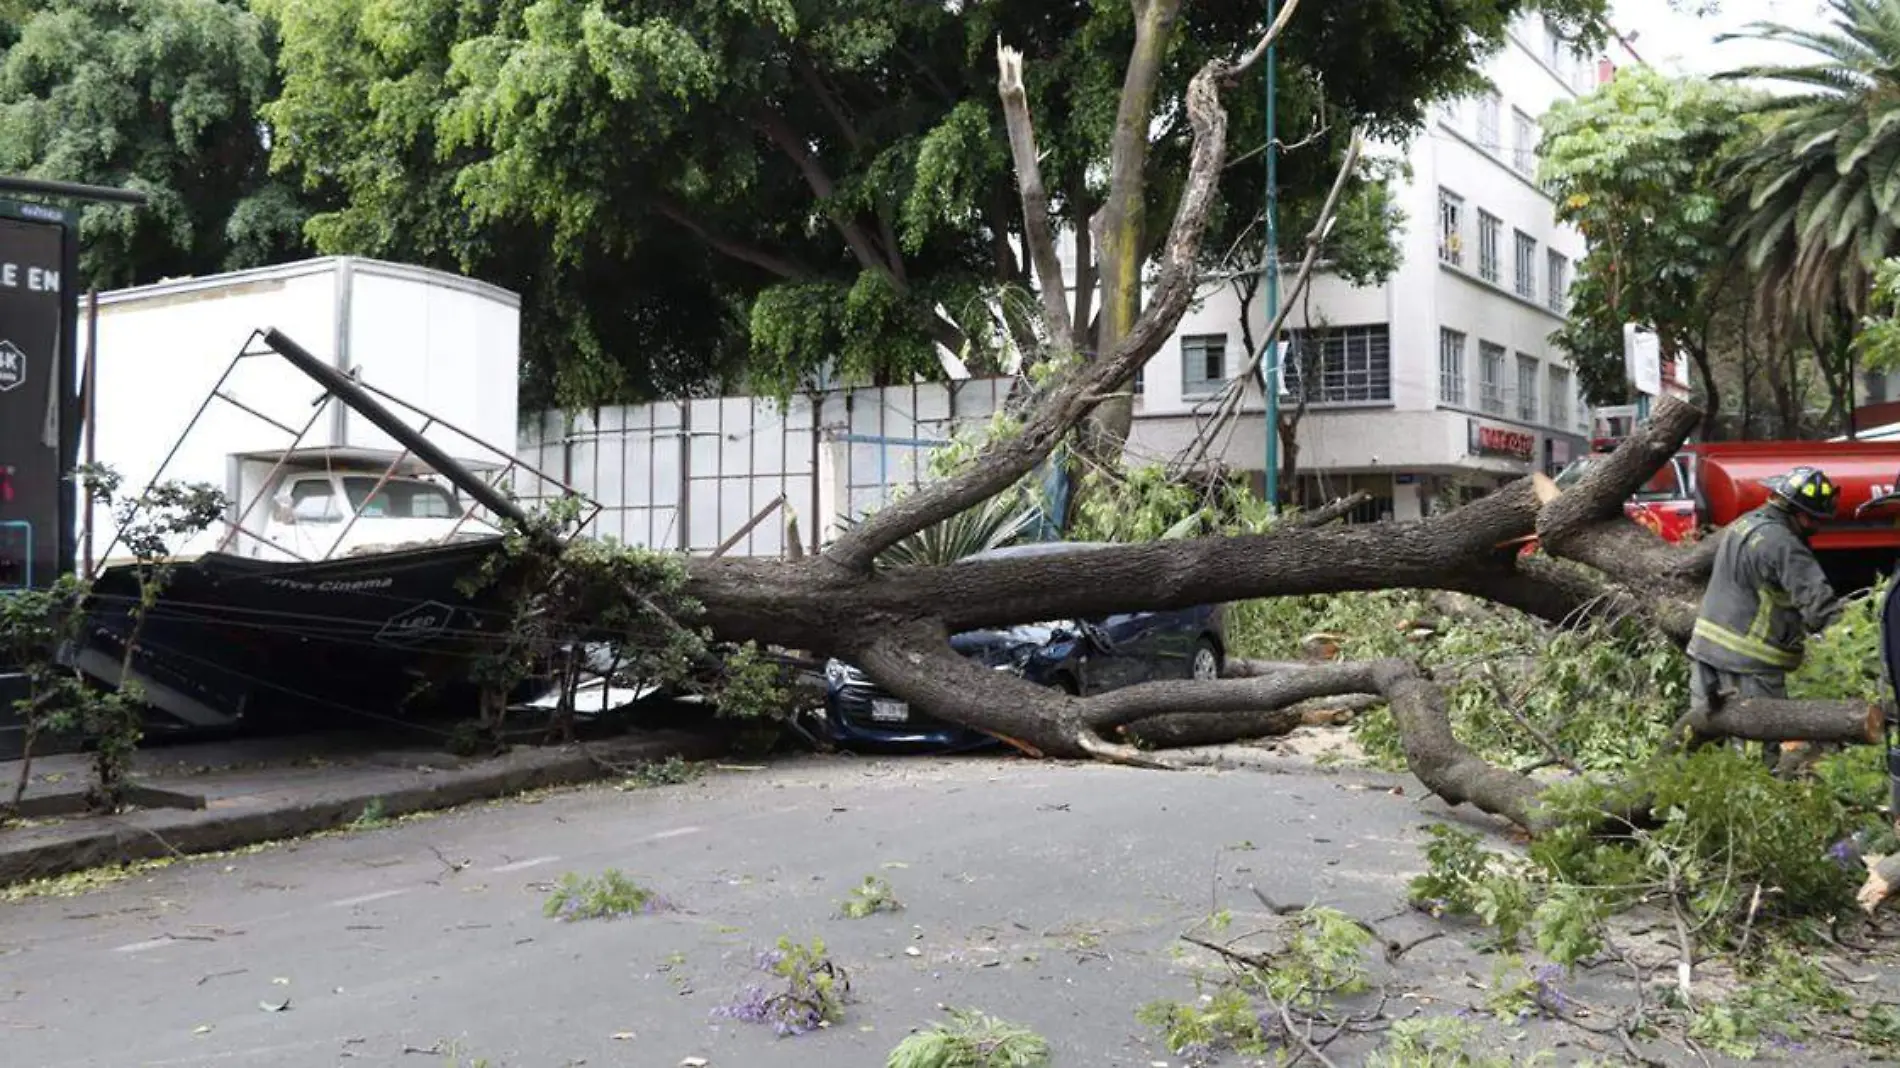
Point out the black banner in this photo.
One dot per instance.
(37, 416)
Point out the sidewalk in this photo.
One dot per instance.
(224, 795)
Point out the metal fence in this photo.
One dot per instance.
(695, 475)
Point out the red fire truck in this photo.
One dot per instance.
(1707, 486)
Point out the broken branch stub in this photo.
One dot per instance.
(1037, 233)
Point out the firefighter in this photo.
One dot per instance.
(1765, 595)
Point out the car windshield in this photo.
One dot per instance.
(399, 499)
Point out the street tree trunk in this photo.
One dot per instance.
(1119, 244)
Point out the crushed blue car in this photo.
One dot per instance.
(1080, 657)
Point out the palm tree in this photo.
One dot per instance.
(1820, 169)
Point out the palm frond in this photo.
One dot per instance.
(995, 523)
(1817, 174)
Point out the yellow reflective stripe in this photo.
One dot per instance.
(1764, 608)
(1741, 645)
(1767, 599)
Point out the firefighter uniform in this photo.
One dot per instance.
(1766, 594)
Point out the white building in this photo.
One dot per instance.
(1441, 383)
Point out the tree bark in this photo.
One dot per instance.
(1037, 233)
(1770, 720)
(1120, 242)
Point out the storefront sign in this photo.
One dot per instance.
(36, 409)
(1490, 439)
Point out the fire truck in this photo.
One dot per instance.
(1708, 485)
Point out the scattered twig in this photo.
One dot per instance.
(177, 854)
(1305, 1037)
(455, 866)
(1748, 923)
(203, 979)
(1394, 950)
(1229, 953)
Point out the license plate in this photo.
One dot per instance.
(890, 711)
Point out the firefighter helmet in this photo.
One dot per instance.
(1809, 490)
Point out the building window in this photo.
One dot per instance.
(1203, 364)
(1489, 226)
(1490, 105)
(1491, 377)
(1526, 265)
(1341, 365)
(1316, 490)
(1554, 50)
(1559, 397)
(1559, 281)
(1524, 144)
(1451, 223)
(1527, 388)
(1451, 367)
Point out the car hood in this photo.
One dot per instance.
(1001, 641)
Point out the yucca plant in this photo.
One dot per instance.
(993, 524)
(1820, 169)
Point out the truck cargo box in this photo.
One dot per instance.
(447, 344)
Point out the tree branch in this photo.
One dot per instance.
(1036, 230)
(738, 250)
(1120, 239)
(1008, 458)
(1085, 272)
(808, 73)
(1259, 50)
(819, 181)
(1229, 403)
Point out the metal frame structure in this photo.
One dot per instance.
(366, 400)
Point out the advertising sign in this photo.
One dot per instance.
(37, 410)
(1642, 359)
(1491, 439)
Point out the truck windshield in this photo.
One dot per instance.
(399, 499)
(1664, 485)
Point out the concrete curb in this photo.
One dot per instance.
(39, 852)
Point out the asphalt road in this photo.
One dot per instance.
(1051, 895)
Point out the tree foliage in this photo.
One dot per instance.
(1634, 166)
(160, 96)
(1821, 167)
(700, 191)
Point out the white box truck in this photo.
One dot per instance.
(306, 480)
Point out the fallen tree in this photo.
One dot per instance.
(895, 622)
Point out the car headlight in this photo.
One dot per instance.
(839, 673)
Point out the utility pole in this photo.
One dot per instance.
(1270, 382)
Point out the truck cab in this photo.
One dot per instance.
(322, 514)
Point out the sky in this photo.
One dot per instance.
(1684, 43)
